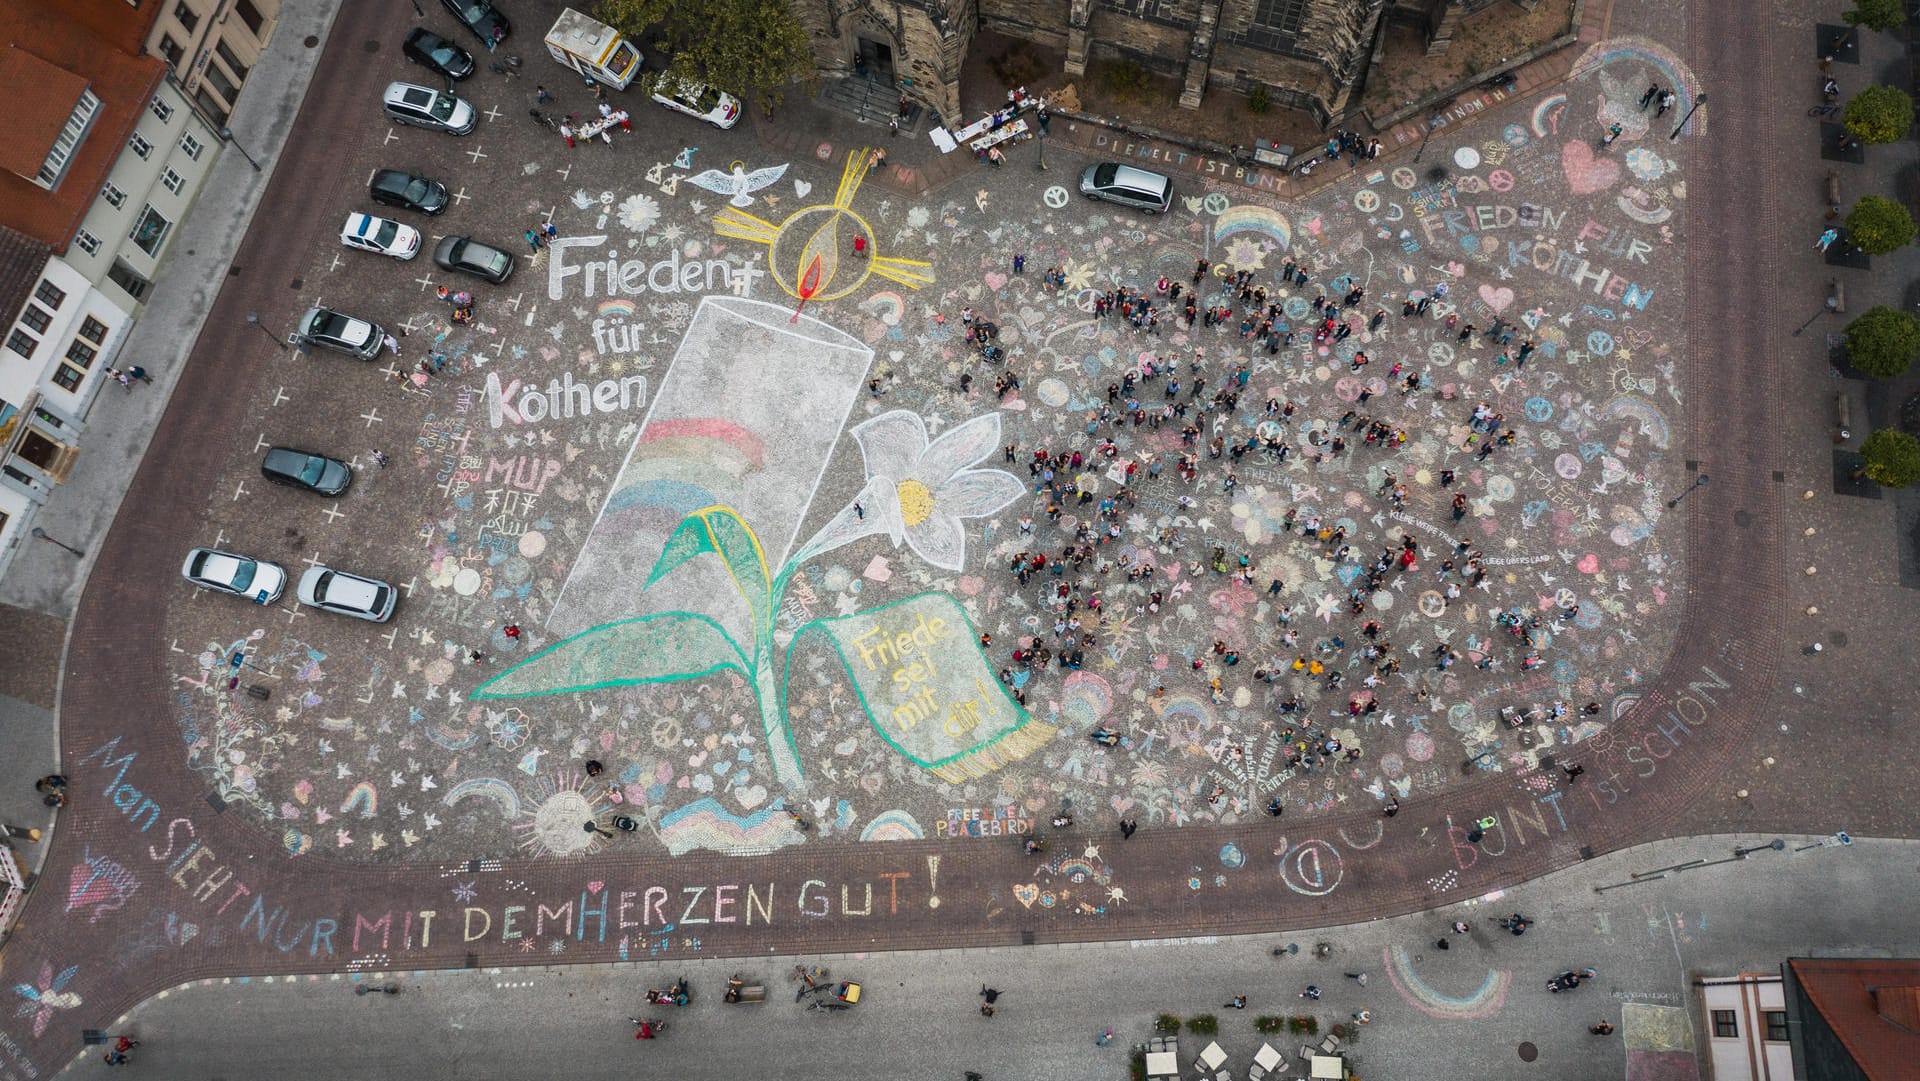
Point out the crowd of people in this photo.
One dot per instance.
(1079, 566)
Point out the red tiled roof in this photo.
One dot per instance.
(22, 259)
(39, 96)
(1871, 1006)
(76, 37)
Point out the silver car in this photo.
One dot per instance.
(339, 332)
(225, 572)
(348, 594)
(423, 107)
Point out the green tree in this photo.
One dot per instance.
(1878, 225)
(1879, 15)
(1883, 341)
(1893, 458)
(752, 48)
(1879, 114)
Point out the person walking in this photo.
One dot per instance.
(380, 458)
(541, 95)
(1646, 99)
(1826, 239)
(1613, 132)
(1127, 826)
(1311, 992)
(1666, 102)
(533, 241)
(1239, 1003)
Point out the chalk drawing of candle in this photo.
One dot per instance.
(745, 418)
(706, 508)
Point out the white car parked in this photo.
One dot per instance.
(347, 594)
(383, 235)
(716, 107)
(255, 579)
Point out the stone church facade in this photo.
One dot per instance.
(1311, 55)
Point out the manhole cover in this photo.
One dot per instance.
(371, 45)
(310, 41)
(1528, 1052)
(1742, 519)
(1838, 638)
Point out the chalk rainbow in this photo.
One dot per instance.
(1184, 706)
(1251, 218)
(1085, 699)
(363, 796)
(1652, 423)
(493, 788)
(616, 306)
(1544, 109)
(888, 307)
(1487, 1000)
(895, 825)
(1669, 70)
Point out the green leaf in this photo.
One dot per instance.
(721, 531)
(651, 649)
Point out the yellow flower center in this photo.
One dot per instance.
(916, 501)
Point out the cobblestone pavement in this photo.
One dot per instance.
(746, 536)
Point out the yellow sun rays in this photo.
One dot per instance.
(821, 240)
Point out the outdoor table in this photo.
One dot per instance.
(1163, 1064)
(1016, 130)
(1267, 1058)
(1212, 1057)
(1329, 1066)
(597, 128)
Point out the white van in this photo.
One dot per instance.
(594, 49)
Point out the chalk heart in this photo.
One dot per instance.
(594, 888)
(751, 797)
(1122, 804)
(802, 188)
(1586, 173)
(1589, 564)
(1498, 299)
(1026, 894)
(1458, 270)
(996, 281)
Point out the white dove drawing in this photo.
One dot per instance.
(737, 183)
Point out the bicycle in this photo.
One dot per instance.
(510, 67)
(1824, 110)
(542, 118)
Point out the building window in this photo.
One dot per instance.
(81, 354)
(93, 330)
(140, 146)
(1777, 1026)
(161, 109)
(87, 242)
(129, 280)
(171, 50)
(220, 83)
(212, 106)
(36, 318)
(233, 62)
(113, 195)
(1276, 23)
(65, 145)
(191, 145)
(65, 377)
(1724, 1025)
(150, 231)
(22, 343)
(173, 181)
(50, 294)
(249, 15)
(186, 16)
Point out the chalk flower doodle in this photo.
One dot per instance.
(48, 995)
(923, 683)
(918, 491)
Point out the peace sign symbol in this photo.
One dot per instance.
(1055, 197)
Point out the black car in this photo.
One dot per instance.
(391, 187)
(472, 257)
(482, 18)
(304, 469)
(431, 51)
